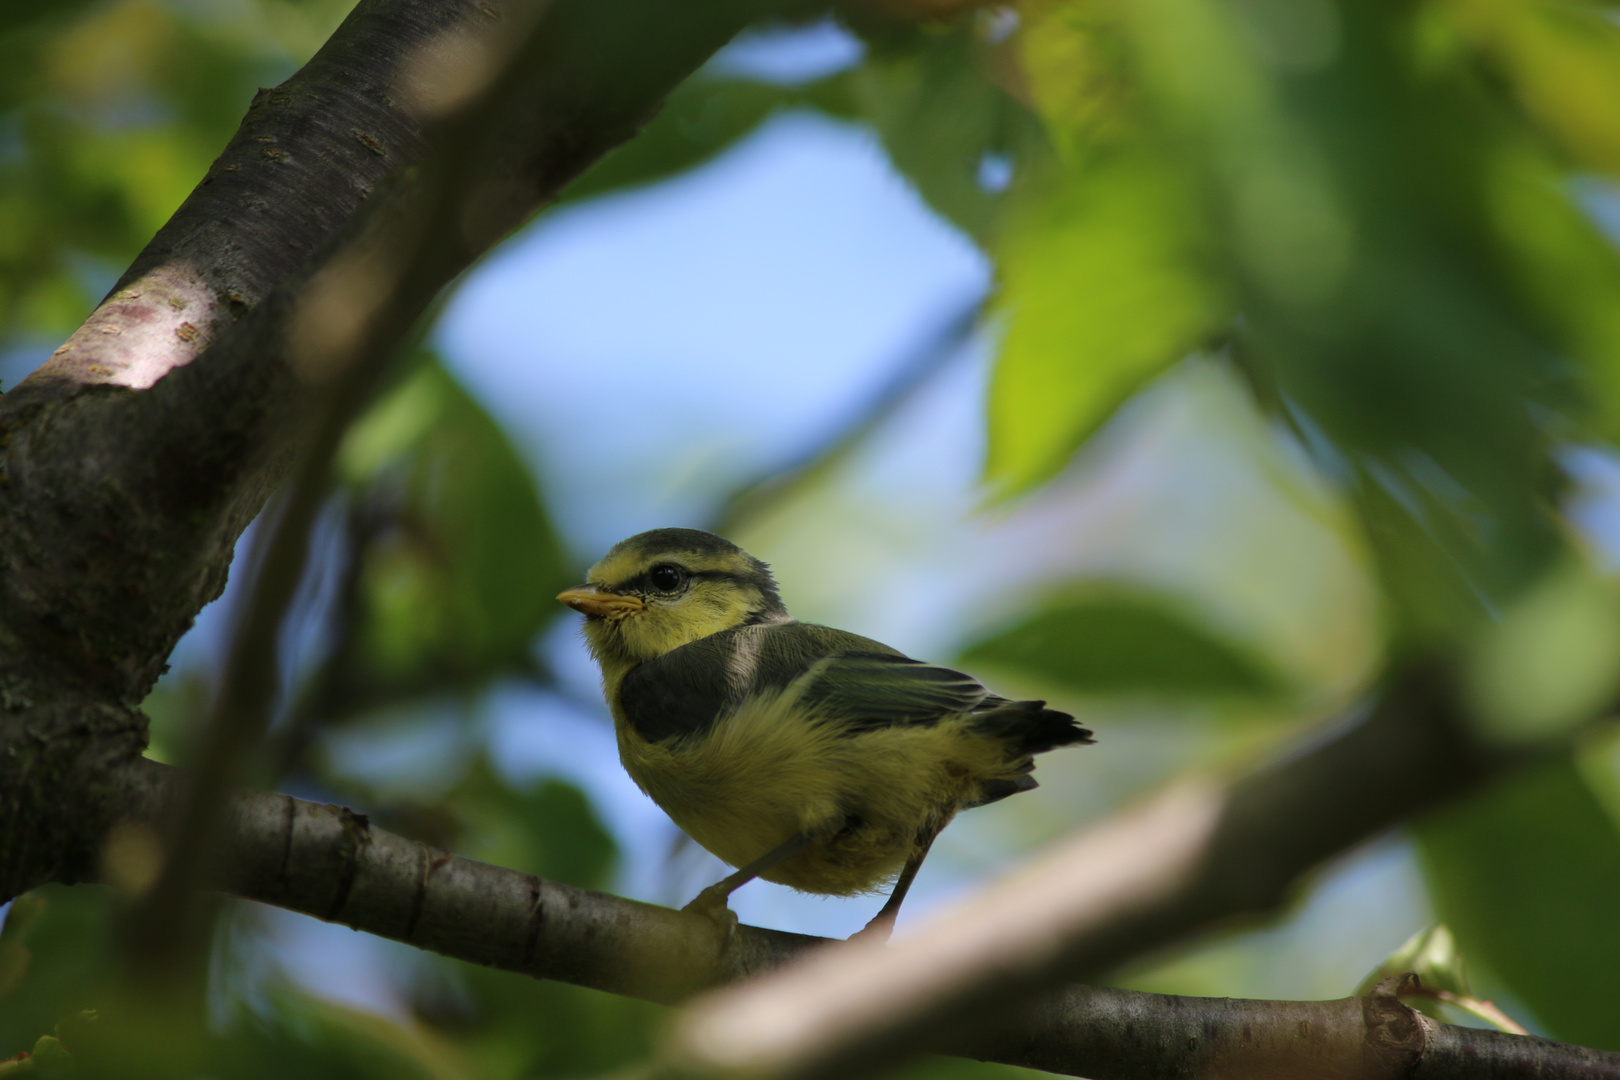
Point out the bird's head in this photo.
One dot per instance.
(662, 589)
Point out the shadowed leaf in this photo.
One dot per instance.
(1117, 642)
(1526, 876)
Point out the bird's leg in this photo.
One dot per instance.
(882, 925)
(712, 901)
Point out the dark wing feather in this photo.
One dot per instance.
(855, 682)
(866, 690)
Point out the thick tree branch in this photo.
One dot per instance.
(333, 864)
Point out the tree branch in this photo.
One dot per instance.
(333, 864)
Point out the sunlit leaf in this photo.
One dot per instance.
(1122, 642)
(1430, 954)
(1355, 209)
(1101, 290)
(1552, 660)
(1563, 60)
(1526, 876)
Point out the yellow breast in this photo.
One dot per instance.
(770, 771)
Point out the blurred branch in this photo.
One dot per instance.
(911, 375)
(328, 691)
(344, 331)
(333, 864)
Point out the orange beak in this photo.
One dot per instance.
(597, 601)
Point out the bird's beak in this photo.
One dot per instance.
(595, 600)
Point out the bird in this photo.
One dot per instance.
(801, 754)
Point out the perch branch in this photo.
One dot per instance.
(333, 864)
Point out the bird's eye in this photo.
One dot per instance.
(666, 577)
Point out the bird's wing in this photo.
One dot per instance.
(854, 681)
(866, 690)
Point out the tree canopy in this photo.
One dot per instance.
(1292, 344)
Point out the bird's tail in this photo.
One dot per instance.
(1030, 727)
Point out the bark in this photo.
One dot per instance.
(333, 864)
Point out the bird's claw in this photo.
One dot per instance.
(878, 930)
(711, 904)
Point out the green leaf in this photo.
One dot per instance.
(1563, 63)
(1430, 954)
(1527, 875)
(1120, 642)
(1567, 271)
(701, 118)
(294, 1033)
(1102, 289)
(547, 828)
(941, 117)
(1551, 661)
(460, 564)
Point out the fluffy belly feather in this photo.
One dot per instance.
(767, 773)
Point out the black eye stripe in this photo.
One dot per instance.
(643, 581)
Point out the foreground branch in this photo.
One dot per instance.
(1195, 858)
(331, 863)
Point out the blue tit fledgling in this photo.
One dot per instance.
(804, 755)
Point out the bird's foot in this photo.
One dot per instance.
(877, 930)
(711, 903)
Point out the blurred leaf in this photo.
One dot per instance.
(21, 917)
(1076, 63)
(547, 828)
(1552, 660)
(701, 118)
(1101, 290)
(461, 577)
(56, 950)
(1526, 877)
(1120, 642)
(1566, 269)
(948, 1068)
(299, 1035)
(109, 114)
(516, 1028)
(1352, 187)
(948, 127)
(1563, 60)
